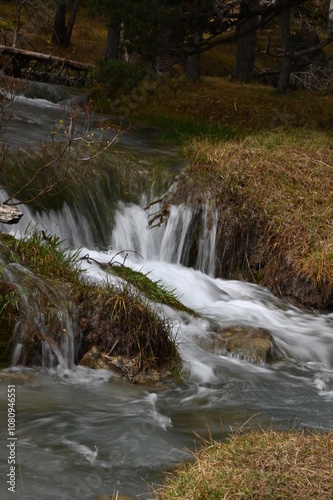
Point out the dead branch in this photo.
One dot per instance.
(300, 53)
(154, 202)
(62, 165)
(37, 56)
(162, 215)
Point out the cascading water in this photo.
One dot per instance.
(187, 237)
(43, 335)
(84, 433)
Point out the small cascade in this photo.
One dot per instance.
(46, 333)
(188, 237)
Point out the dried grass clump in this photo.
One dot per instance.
(121, 322)
(285, 180)
(257, 465)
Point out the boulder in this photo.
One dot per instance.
(255, 345)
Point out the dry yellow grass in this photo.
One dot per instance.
(285, 179)
(257, 465)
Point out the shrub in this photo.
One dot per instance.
(115, 78)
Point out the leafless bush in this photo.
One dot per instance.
(315, 77)
(45, 169)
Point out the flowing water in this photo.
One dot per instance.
(83, 433)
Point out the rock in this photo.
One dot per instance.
(123, 365)
(9, 214)
(255, 345)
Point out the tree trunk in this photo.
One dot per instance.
(18, 22)
(286, 65)
(112, 44)
(246, 49)
(193, 61)
(27, 55)
(330, 17)
(70, 25)
(59, 26)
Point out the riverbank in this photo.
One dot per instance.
(264, 161)
(47, 305)
(265, 464)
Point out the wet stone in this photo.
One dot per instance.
(255, 345)
(124, 366)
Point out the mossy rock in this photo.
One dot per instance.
(125, 366)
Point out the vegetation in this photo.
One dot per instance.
(8, 318)
(117, 319)
(154, 290)
(283, 181)
(220, 109)
(265, 162)
(256, 465)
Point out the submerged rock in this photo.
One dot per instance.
(125, 366)
(255, 345)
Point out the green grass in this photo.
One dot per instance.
(241, 108)
(178, 130)
(44, 254)
(155, 291)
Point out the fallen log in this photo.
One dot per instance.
(37, 56)
(9, 215)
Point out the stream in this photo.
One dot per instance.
(84, 433)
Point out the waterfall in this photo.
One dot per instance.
(46, 333)
(187, 237)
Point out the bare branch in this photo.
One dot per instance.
(58, 164)
(300, 53)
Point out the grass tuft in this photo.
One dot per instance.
(156, 291)
(120, 321)
(44, 281)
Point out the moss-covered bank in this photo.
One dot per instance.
(40, 278)
(264, 162)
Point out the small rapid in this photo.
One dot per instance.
(83, 433)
